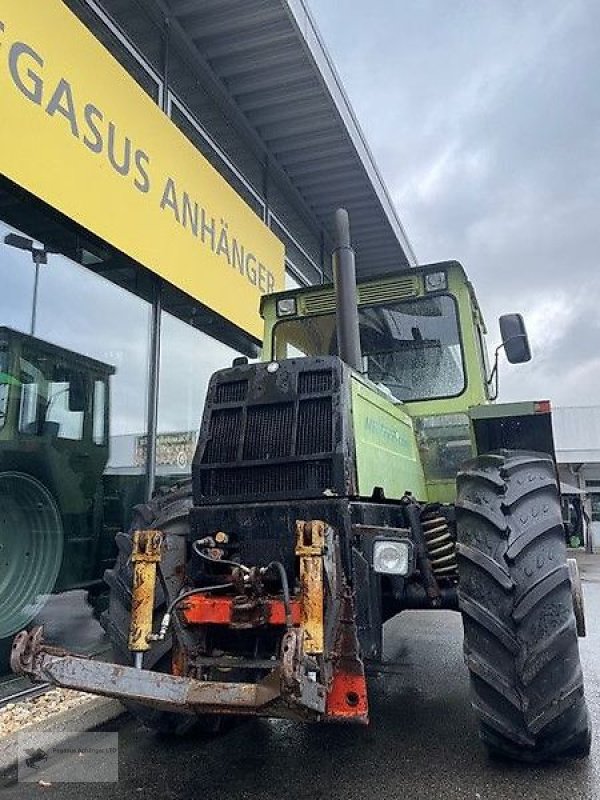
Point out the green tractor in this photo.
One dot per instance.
(53, 449)
(359, 471)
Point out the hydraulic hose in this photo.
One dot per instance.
(285, 588)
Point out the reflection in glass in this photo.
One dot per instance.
(188, 359)
(58, 415)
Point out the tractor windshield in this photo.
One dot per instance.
(411, 348)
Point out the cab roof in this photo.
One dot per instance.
(56, 351)
(384, 277)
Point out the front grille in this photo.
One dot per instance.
(301, 476)
(233, 392)
(399, 289)
(315, 381)
(314, 426)
(226, 429)
(285, 438)
(268, 431)
(322, 303)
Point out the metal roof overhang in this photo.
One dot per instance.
(267, 62)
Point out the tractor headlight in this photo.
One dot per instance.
(392, 556)
(286, 307)
(435, 281)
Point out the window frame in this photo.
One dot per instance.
(416, 298)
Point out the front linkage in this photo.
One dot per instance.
(318, 674)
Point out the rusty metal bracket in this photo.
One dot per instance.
(145, 557)
(310, 548)
(271, 697)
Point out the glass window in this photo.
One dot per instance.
(32, 384)
(411, 349)
(188, 359)
(63, 417)
(99, 424)
(595, 503)
(444, 444)
(94, 487)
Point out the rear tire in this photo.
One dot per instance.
(168, 511)
(519, 623)
(31, 549)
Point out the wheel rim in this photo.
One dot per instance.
(31, 549)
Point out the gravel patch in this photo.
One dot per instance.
(16, 716)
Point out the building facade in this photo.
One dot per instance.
(161, 167)
(577, 439)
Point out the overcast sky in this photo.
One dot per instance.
(484, 118)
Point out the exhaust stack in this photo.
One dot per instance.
(346, 300)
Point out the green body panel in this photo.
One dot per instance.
(386, 447)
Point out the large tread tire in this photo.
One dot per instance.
(520, 635)
(168, 511)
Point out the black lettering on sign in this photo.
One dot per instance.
(251, 268)
(223, 243)
(63, 90)
(210, 229)
(238, 257)
(89, 112)
(190, 214)
(34, 88)
(169, 198)
(142, 158)
(121, 167)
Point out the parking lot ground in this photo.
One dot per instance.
(421, 744)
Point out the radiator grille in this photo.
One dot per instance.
(268, 431)
(314, 426)
(399, 289)
(282, 436)
(315, 381)
(233, 392)
(407, 286)
(303, 476)
(226, 429)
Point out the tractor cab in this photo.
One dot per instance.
(54, 406)
(423, 349)
(421, 335)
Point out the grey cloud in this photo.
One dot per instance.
(485, 121)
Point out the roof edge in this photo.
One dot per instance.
(305, 23)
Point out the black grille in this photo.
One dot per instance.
(233, 392)
(270, 479)
(315, 381)
(314, 426)
(275, 433)
(268, 431)
(226, 429)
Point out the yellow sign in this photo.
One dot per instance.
(77, 131)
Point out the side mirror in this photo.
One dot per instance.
(514, 338)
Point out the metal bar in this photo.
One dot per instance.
(346, 302)
(36, 282)
(153, 389)
(155, 689)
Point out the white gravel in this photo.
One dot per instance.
(16, 716)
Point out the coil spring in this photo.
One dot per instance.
(441, 547)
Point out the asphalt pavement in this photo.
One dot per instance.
(422, 742)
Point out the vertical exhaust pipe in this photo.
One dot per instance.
(346, 300)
